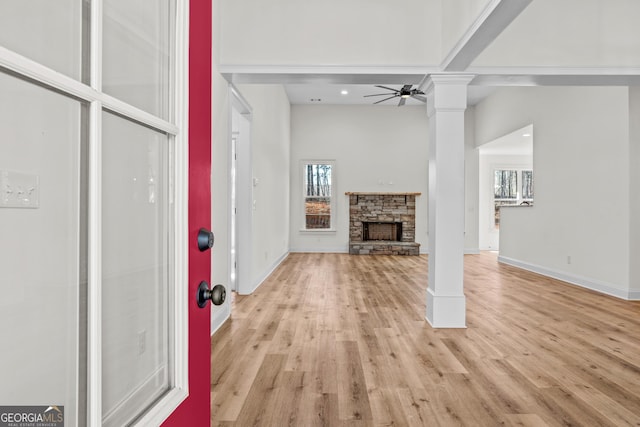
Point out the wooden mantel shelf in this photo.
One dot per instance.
(375, 193)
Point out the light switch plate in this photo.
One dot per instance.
(19, 190)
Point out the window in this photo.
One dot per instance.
(318, 195)
(511, 187)
(527, 185)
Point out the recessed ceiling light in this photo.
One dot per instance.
(526, 134)
(344, 92)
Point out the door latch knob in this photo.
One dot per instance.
(205, 239)
(217, 295)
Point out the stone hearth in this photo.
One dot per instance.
(382, 224)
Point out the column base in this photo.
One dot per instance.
(446, 311)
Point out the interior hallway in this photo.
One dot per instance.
(334, 339)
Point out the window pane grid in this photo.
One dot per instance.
(318, 190)
(527, 185)
(318, 212)
(318, 180)
(506, 186)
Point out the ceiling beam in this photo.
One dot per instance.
(492, 21)
(555, 76)
(286, 74)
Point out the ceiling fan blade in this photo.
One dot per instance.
(377, 94)
(378, 102)
(420, 98)
(402, 101)
(406, 87)
(389, 88)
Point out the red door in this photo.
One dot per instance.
(195, 410)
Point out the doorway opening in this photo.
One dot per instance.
(240, 195)
(506, 180)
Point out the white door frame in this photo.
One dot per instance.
(232, 209)
(241, 129)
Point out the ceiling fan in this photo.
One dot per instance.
(403, 93)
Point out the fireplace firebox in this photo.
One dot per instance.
(389, 231)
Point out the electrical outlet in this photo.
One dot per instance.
(142, 342)
(568, 259)
(19, 190)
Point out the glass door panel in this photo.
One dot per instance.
(137, 268)
(138, 51)
(48, 231)
(43, 272)
(48, 32)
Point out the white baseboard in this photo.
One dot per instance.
(634, 295)
(467, 251)
(324, 250)
(446, 311)
(594, 285)
(218, 317)
(266, 273)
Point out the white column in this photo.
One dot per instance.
(446, 103)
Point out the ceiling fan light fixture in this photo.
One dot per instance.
(403, 93)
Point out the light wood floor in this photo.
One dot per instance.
(340, 340)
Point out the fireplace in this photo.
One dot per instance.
(382, 224)
(390, 231)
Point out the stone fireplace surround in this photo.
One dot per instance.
(382, 208)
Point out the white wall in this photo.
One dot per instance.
(375, 148)
(286, 32)
(569, 33)
(270, 138)
(488, 235)
(581, 180)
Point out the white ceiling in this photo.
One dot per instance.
(330, 94)
(503, 45)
